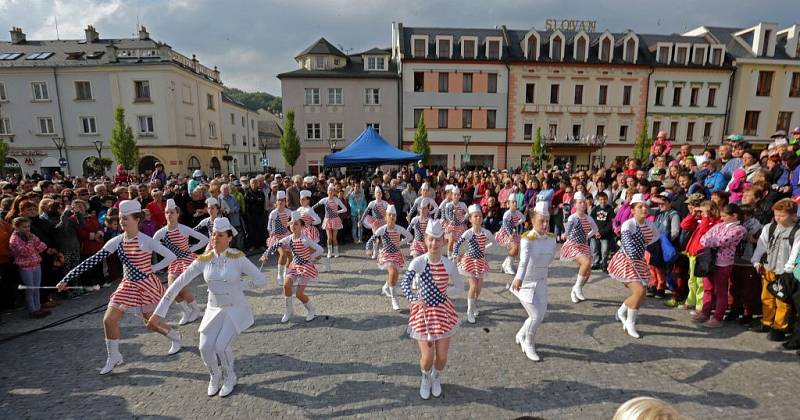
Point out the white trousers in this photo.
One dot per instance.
(536, 310)
(215, 343)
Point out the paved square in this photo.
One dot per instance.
(355, 360)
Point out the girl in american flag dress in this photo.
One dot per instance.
(508, 236)
(424, 192)
(629, 266)
(579, 229)
(439, 213)
(333, 222)
(432, 316)
(140, 289)
(310, 218)
(175, 237)
(417, 227)
(390, 258)
(278, 228)
(206, 226)
(301, 270)
(375, 216)
(473, 263)
(455, 213)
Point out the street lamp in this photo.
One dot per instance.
(706, 141)
(98, 145)
(466, 150)
(599, 141)
(332, 143)
(227, 157)
(59, 142)
(262, 145)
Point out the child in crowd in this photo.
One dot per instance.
(26, 248)
(701, 218)
(745, 281)
(148, 225)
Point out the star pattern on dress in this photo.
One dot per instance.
(86, 265)
(476, 245)
(429, 291)
(330, 209)
(577, 233)
(180, 253)
(388, 240)
(634, 244)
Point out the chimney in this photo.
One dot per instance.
(91, 34)
(143, 34)
(17, 36)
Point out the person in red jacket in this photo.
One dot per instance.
(699, 221)
(91, 237)
(157, 209)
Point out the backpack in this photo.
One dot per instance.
(771, 238)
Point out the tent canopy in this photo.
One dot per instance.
(369, 149)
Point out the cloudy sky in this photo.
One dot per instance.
(252, 41)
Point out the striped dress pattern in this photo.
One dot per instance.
(508, 230)
(301, 269)
(578, 234)
(456, 214)
(417, 228)
(628, 264)
(179, 245)
(278, 225)
(332, 219)
(432, 313)
(474, 261)
(309, 230)
(391, 240)
(375, 216)
(140, 287)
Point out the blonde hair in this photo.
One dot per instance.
(647, 408)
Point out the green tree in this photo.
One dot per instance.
(99, 165)
(123, 144)
(3, 153)
(420, 144)
(537, 149)
(290, 144)
(641, 150)
(256, 100)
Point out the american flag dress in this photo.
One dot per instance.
(278, 225)
(206, 226)
(333, 207)
(375, 214)
(441, 214)
(474, 262)
(579, 231)
(508, 233)
(628, 264)
(177, 241)
(432, 315)
(456, 215)
(310, 219)
(417, 228)
(391, 241)
(301, 269)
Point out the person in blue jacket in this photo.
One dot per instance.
(714, 181)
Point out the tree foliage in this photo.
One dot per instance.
(256, 100)
(641, 150)
(290, 144)
(420, 144)
(123, 144)
(537, 149)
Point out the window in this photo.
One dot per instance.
(420, 47)
(467, 78)
(716, 56)
(694, 97)
(83, 91)
(210, 101)
(444, 81)
(656, 128)
(602, 98)
(530, 90)
(312, 96)
(188, 126)
(554, 93)
(444, 48)
(146, 125)
(40, 92)
(442, 118)
(552, 131)
(690, 131)
(784, 119)
(556, 48)
(673, 130)
(707, 129)
(663, 55)
(794, 88)
(623, 133)
(627, 92)
(186, 92)
(712, 97)
(576, 130)
(244, 123)
(466, 118)
(605, 49)
(419, 81)
(468, 48)
(659, 99)
(765, 42)
(764, 83)
(3, 96)
(233, 139)
(313, 131)
(680, 55)
(376, 63)
(372, 96)
(580, 49)
(335, 130)
(5, 126)
(493, 50)
(699, 55)
(600, 130)
(417, 116)
(141, 90)
(46, 125)
(233, 119)
(253, 125)
(751, 123)
(491, 118)
(492, 83)
(335, 96)
(630, 50)
(88, 125)
(527, 132)
(319, 62)
(375, 126)
(578, 94)
(212, 130)
(676, 96)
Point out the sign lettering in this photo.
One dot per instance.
(572, 25)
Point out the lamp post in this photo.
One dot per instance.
(332, 143)
(706, 141)
(262, 145)
(98, 145)
(600, 142)
(59, 142)
(465, 158)
(227, 157)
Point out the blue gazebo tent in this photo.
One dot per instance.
(369, 149)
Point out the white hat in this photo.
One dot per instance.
(455, 190)
(391, 209)
(295, 216)
(578, 196)
(127, 207)
(309, 179)
(434, 229)
(171, 204)
(448, 187)
(427, 201)
(424, 186)
(511, 197)
(541, 208)
(638, 198)
(222, 224)
(331, 187)
(281, 195)
(211, 201)
(378, 189)
(305, 194)
(197, 173)
(474, 209)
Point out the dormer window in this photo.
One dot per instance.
(630, 50)
(606, 52)
(765, 42)
(468, 49)
(376, 63)
(493, 48)
(319, 63)
(581, 52)
(444, 47)
(531, 45)
(556, 47)
(699, 55)
(681, 54)
(664, 53)
(717, 55)
(419, 44)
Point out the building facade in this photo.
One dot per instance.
(336, 96)
(57, 98)
(240, 128)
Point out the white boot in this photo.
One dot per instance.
(622, 314)
(279, 279)
(186, 310)
(336, 251)
(215, 381)
(194, 313)
(114, 356)
(508, 267)
(522, 333)
(577, 292)
(375, 251)
(330, 253)
(436, 385)
(385, 290)
(175, 339)
(312, 313)
(229, 381)
(630, 323)
(425, 386)
(530, 351)
(289, 312)
(395, 305)
(470, 313)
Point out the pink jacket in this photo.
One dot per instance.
(26, 253)
(725, 237)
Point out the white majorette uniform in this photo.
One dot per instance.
(333, 208)
(310, 218)
(227, 312)
(537, 251)
(579, 231)
(474, 262)
(456, 216)
(391, 241)
(420, 201)
(302, 269)
(278, 225)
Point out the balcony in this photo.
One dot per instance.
(194, 65)
(577, 109)
(588, 141)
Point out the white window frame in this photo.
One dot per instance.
(332, 96)
(336, 130)
(5, 126)
(136, 96)
(233, 139)
(212, 130)
(316, 128)
(670, 47)
(52, 126)
(3, 94)
(375, 126)
(186, 93)
(563, 38)
(440, 38)
(704, 48)
(605, 35)
(475, 48)
(314, 92)
(372, 61)
(211, 101)
(414, 38)
(688, 47)
(370, 99)
(625, 39)
(526, 44)
(75, 86)
(721, 56)
(149, 131)
(44, 91)
(188, 126)
(82, 126)
(585, 36)
(498, 39)
(318, 62)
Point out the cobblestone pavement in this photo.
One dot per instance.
(354, 360)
